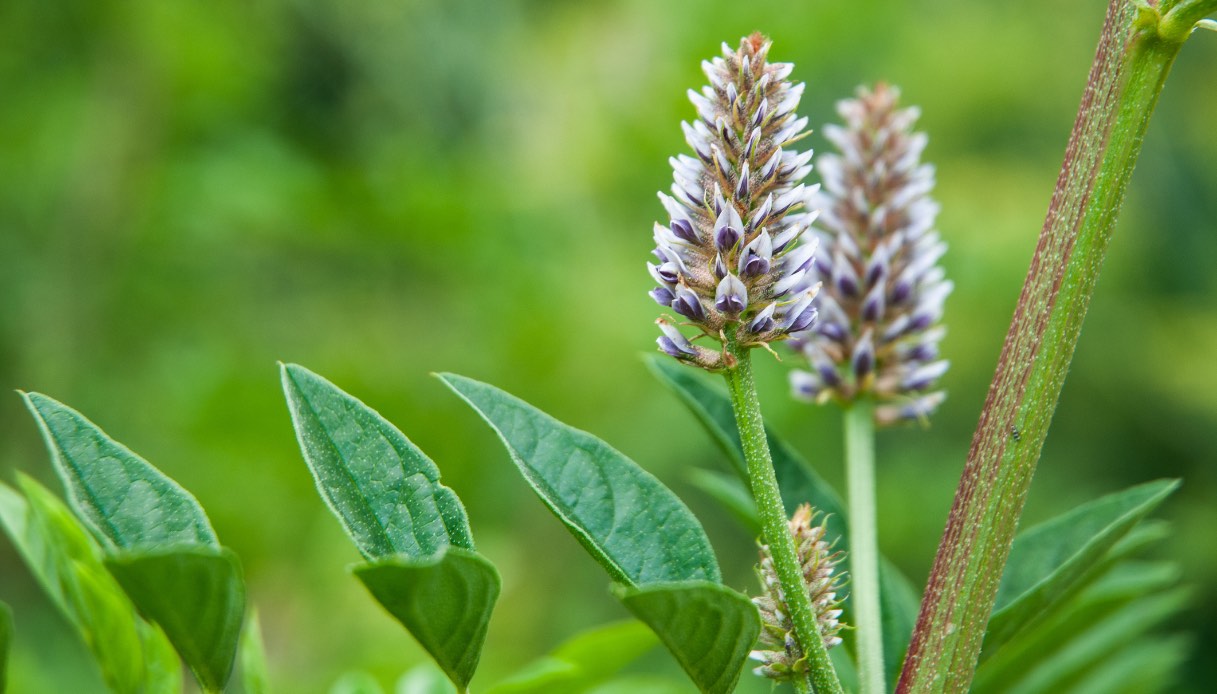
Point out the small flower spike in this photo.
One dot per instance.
(878, 331)
(728, 261)
(781, 658)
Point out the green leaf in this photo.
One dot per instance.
(707, 627)
(254, 673)
(899, 604)
(1047, 561)
(6, 640)
(66, 561)
(626, 518)
(121, 496)
(197, 595)
(799, 482)
(444, 601)
(650, 684)
(581, 662)
(1146, 666)
(382, 488)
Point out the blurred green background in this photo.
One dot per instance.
(381, 189)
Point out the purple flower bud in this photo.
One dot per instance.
(669, 272)
(923, 376)
(788, 236)
(873, 305)
(673, 342)
(741, 188)
(732, 94)
(804, 385)
(731, 296)
(901, 291)
(728, 228)
(683, 229)
(720, 268)
(804, 320)
(756, 256)
(662, 296)
(754, 141)
(688, 305)
(833, 331)
(759, 116)
(770, 169)
(763, 322)
(758, 218)
(864, 355)
(844, 277)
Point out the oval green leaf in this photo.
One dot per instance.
(383, 489)
(626, 518)
(254, 673)
(708, 628)
(196, 595)
(444, 601)
(126, 501)
(133, 656)
(582, 662)
(1048, 560)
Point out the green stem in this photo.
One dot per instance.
(801, 686)
(774, 524)
(1135, 54)
(863, 544)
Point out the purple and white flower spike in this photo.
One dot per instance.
(877, 333)
(729, 259)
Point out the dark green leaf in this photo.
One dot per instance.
(197, 595)
(626, 518)
(66, 561)
(128, 502)
(1145, 666)
(444, 601)
(707, 627)
(384, 490)
(1047, 561)
(254, 674)
(899, 603)
(581, 662)
(710, 405)
(6, 640)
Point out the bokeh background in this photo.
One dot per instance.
(386, 188)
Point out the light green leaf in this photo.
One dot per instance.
(121, 496)
(731, 493)
(1145, 666)
(707, 627)
(66, 561)
(444, 601)
(196, 595)
(1048, 561)
(626, 518)
(6, 641)
(356, 683)
(424, 679)
(254, 673)
(637, 684)
(799, 484)
(581, 662)
(382, 488)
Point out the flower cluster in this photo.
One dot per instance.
(883, 295)
(783, 659)
(729, 261)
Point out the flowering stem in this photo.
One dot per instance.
(774, 523)
(1137, 47)
(863, 543)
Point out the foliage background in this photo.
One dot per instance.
(378, 190)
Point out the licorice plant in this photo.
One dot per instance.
(842, 281)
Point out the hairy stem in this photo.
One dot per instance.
(774, 525)
(864, 544)
(1135, 53)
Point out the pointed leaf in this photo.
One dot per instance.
(254, 673)
(66, 561)
(383, 489)
(899, 603)
(581, 662)
(197, 595)
(444, 601)
(1048, 560)
(126, 501)
(732, 494)
(1145, 666)
(626, 518)
(708, 628)
(6, 640)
